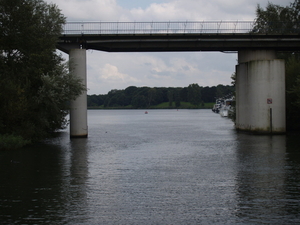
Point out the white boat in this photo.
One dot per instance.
(226, 107)
(217, 106)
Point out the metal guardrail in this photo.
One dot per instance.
(158, 27)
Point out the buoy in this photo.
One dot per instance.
(146, 112)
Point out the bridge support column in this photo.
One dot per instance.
(78, 107)
(260, 92)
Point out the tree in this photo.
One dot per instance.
(145, 97)
(184, 94)
(116, 98)
(295, 14)
(275, 19)
(151, 96)
(158, 96)
(279, 19)
(177, 97)
(130, 92)
(293, 93)
(194, 94)
(35, 83)
(170, 97)
(139, 101)
(208, 94)
(233, 78)
(95, 100)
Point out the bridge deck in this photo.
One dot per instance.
(131, 37)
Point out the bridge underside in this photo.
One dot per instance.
(179, 42)
(260, 103)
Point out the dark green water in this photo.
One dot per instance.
(164, 167)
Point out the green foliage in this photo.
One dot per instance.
(194, 94)
(139, 101)
(279, 19)
(170, 97)
(293, 92)
(183, 105)
(233, 78)
(152, 96)
(222, 91)
(274, 19)
(35, 84)
(146, 97)
(177, 98)
(10, 142)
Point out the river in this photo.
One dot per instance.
(164, 167)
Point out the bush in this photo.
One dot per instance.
(8, 142)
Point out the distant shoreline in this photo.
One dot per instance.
(160, 106)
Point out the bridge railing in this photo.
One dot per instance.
(158, 27)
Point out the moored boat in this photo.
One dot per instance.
(227, 107)
(217, 106)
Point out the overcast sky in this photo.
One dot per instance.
(106, 71)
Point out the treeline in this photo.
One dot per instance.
(147, 97)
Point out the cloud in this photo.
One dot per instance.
(160, 10)
(195, 10)
(90, 10)
(172, 10)
(108, 71)
(175, 67)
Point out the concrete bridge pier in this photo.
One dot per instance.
(78, 107)
(260, 92)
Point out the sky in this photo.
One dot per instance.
(107, 71)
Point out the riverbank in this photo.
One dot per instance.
(164, 105)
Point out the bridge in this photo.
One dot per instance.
(172, 36)
(260, 83)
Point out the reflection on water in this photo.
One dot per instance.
(166, 167)
(261, 178)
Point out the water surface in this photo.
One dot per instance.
(164, 167)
